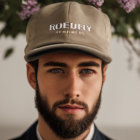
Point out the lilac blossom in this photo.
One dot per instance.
(128, 5)
(29, 7)
(97, 3)
(138, 2)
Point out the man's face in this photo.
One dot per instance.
(68, 91)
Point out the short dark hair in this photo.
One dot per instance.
(34, 64)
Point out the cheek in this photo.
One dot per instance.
(49, 88)
(91, 91)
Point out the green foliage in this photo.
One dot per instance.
(120, 20)
(8, 52)
(9, 16)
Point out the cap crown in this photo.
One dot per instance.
(69, 25)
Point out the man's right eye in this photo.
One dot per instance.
(56, 70)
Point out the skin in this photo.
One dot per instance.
(75, 77)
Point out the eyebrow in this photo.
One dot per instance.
(52, 63)
(82, 64)
(90, 63)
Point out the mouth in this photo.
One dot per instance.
(71, 108)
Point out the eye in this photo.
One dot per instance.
(87, 71)
(56, 70)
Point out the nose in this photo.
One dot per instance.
(72, 86)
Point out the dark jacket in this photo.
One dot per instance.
(30, 134)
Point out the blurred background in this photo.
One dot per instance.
(119, 115)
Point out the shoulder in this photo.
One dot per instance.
(29, 134)
(98, 135)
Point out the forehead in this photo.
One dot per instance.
(68, 56)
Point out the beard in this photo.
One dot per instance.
(70, 127)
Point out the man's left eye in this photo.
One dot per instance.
(87, 71)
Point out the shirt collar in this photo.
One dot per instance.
(91, 133)
(89, 136)
(38, 134)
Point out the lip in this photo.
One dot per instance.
(71, 108)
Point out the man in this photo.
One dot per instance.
(67, 54)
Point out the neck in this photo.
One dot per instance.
(46, 132)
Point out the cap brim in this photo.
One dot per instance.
(36, 53)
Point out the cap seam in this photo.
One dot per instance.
(105, 28)
(69, 13)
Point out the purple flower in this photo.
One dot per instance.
(128, 5)
(29, 7)
(97, 3)
(32, 2)
(138, 2)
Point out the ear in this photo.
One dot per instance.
(31, 76)
(104, 73)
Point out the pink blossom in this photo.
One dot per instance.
(128, 5)
(32, 2)
(29, 7)
(138, 2)
(97, 3)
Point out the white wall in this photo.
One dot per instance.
(120, 101)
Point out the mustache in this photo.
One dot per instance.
(71, 101)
